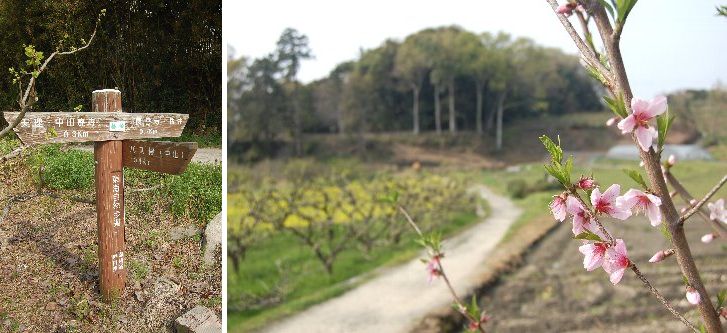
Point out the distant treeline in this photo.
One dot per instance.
(441, 79)
(164, 56)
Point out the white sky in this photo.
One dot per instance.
(667, 44)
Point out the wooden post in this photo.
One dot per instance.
(110, 202)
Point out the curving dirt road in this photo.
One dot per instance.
(399, 297)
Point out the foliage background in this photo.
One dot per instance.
(164, 56)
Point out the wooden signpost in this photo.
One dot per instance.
(113, 133)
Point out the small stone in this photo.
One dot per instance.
(139, 296)
(182, 232)
(52, 306)
(164, 287)
(198, 320)
(212, 239)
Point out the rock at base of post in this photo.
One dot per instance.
(198, 320)
(212, 239)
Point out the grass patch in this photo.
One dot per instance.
(196, 194)
(207, 140)
(280, 270)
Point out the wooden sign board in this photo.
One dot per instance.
(58, 127)
(166, 157)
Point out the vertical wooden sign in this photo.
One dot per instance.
(110, 201)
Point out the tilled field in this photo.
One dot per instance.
(552, 292)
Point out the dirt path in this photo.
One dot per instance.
(203, 155)
(396, 299)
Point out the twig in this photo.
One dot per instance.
(13, 154)
(441, 272)
(661, 298)
(679, 188)
(704, 200)
(585, 51)
(11, 201)
(23, 101)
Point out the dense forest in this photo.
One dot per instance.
(164, 56)
(442, 79)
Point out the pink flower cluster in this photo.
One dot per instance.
(638, 121)
(607, 253)
(717, 212)
(568, 8)
(433, 270)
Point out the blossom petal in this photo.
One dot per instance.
(616, 275)
(645, 137)
(627, 124)
(654, 214)
(656, 107)
(611, 193)
(595, 196)
(639, 106)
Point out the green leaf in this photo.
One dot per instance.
(663, 123)
(587, 235)
(617, 106)
(568, 169)
(474, 309)
(636, 176)
(624, 8)
(721, 297)
(556, 153)
(608, 7)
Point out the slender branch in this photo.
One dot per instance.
(23, 102)
(661, 298)
(679, 188)
(13, 154)
(588, 56)
(701, 203)
(441, 272)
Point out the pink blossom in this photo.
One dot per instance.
(557, 206)
(616, 261)
(433, 268)
(484, 318)
(566, 9)
(606, 203)
(717, 211)
(586, 183)
(661, 255)
(582, 219)
(693, 296)
(638, 120)
(593, 255)
(723, 312)
(641, 202)
(708, 238)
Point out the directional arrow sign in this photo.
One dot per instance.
(57, 127)
(166, 157)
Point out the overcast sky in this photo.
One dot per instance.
(667, 44)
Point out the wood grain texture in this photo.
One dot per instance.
(110, 204)
(59, 127)
(159, 156)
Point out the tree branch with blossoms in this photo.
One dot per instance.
(476, 318)
(634, 117)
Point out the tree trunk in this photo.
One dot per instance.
(490, 120)
(298, 130)
(478, 87)
(415, 111)
(500, 111)
(452, 116)
(437, 109)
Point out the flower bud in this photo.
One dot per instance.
(723, 312)
(683, 210)
(566, 8)
(586, 183)
(611, 121)
(671, 160)
(641, 164)
(693, 202)
(661, 255)
(708, 238)
(693, 296)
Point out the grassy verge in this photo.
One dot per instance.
(296, 271)
(207, 140)
(195, 194)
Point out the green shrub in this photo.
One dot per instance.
(64, 170)
(517, 188)
(197, 193)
